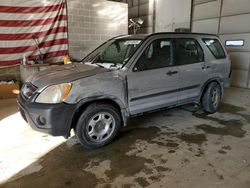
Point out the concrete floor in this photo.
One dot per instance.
(173, 148)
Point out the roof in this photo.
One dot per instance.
(143, 36)
(183, 33)
(137, 36)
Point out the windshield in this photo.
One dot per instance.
(113, 54)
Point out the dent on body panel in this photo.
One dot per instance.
(108, 84)
(217, 69)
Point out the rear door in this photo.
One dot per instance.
(219, 63)
(153, 79)
(193, 74)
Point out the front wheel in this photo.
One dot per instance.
(98, 125)
(211, 98)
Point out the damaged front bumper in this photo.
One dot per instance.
(53, 119)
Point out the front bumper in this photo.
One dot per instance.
(53, 119)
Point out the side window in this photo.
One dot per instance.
(188, 51)
(215, 48)
(157, 55)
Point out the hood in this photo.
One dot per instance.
(64, 74)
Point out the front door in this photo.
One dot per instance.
(153, 81)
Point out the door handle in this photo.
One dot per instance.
(205, 67)
(170, 73)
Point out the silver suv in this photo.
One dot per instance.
(124, 77)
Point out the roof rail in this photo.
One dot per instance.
(180, 33)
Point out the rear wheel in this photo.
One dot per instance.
(211, 98)
(98, 125)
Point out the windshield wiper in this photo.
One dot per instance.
(99, 65)
(93, 59)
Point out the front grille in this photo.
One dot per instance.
(28, 90)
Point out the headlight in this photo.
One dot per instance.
(54, 94)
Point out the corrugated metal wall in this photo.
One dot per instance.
(229, 19)
(172, 14)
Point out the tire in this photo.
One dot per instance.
(98, 125)
(211, 98)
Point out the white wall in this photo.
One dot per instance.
(172, 14)
(91, 22)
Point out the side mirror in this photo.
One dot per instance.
(135, 69)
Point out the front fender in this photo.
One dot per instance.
(82, 104)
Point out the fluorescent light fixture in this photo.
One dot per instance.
(234, 42)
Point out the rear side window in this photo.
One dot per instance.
(188, 51)
(215, 47)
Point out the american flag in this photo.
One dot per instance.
(21, 20)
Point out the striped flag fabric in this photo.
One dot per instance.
(23, 20)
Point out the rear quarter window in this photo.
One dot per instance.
(215, 48)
